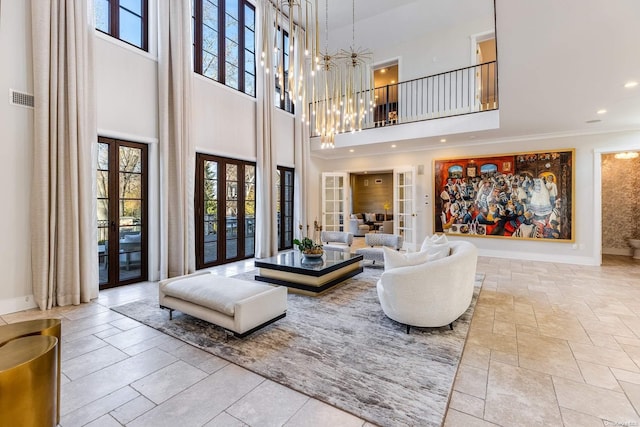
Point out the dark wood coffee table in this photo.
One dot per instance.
(306, 276)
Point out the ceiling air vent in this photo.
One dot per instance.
(20, 98)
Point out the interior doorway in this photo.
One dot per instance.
(385, 82)
(485, 57)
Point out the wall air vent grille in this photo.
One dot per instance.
(20, 98)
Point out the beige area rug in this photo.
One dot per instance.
(339, 348)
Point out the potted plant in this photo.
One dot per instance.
(307, 246)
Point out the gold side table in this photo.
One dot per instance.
(47, 327)
(28, 382)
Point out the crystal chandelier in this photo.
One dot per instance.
(358, 80)
(327, 92)
(299, 18)
(342, 88)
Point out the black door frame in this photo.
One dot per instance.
(113, 246)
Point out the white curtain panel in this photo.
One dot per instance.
(64, 258)
(266, 168)
(177, 152)
(301, 148)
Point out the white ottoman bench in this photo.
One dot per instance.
(240, 306)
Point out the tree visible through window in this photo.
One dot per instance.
(126, 20)
(224, 42)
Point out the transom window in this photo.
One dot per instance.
(126, 20)
(224, 42)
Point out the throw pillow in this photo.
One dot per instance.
(436, 246)
(436, 239)
(394, 259)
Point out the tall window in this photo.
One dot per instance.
(285, 207)
(224, 42)
(282, 98)
(225, 210)
(126, 20)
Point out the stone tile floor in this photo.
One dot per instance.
(549, 344)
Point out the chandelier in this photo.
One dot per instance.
(339, 83)
(327, 92)
(341, 88)
(299, 18)
(358, 80)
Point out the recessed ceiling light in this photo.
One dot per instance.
(393, 81)
(352, 150)
(393, 145)
(630, 84)
(627, 155)
(443, 140)
(601, 111)
(384, 70)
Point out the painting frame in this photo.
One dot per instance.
(519, 196)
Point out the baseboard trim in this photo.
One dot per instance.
(12, 305)
(528, 256)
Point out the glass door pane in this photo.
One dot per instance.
(102, 176)
(210, 211)
(130, 212)
(334, 200)
(404, 197)
(231, 212)
(249, 210)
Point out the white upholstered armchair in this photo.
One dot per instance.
(431, 294)
(340, 241)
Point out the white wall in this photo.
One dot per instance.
(587, 191)
(16, 136)
(441, 44)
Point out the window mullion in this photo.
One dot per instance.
(114, 24)
(241, 45)
(222, 35)
(197, 60)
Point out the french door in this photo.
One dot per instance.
(122, 212)
(404, 195)
(284, 185)
(225, 210)
(334, 200)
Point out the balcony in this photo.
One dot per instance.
(453, 93)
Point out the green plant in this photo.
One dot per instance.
(308, 246)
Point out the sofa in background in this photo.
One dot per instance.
(433, 293)
(358, 227)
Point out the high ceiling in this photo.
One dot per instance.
(559, 63)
